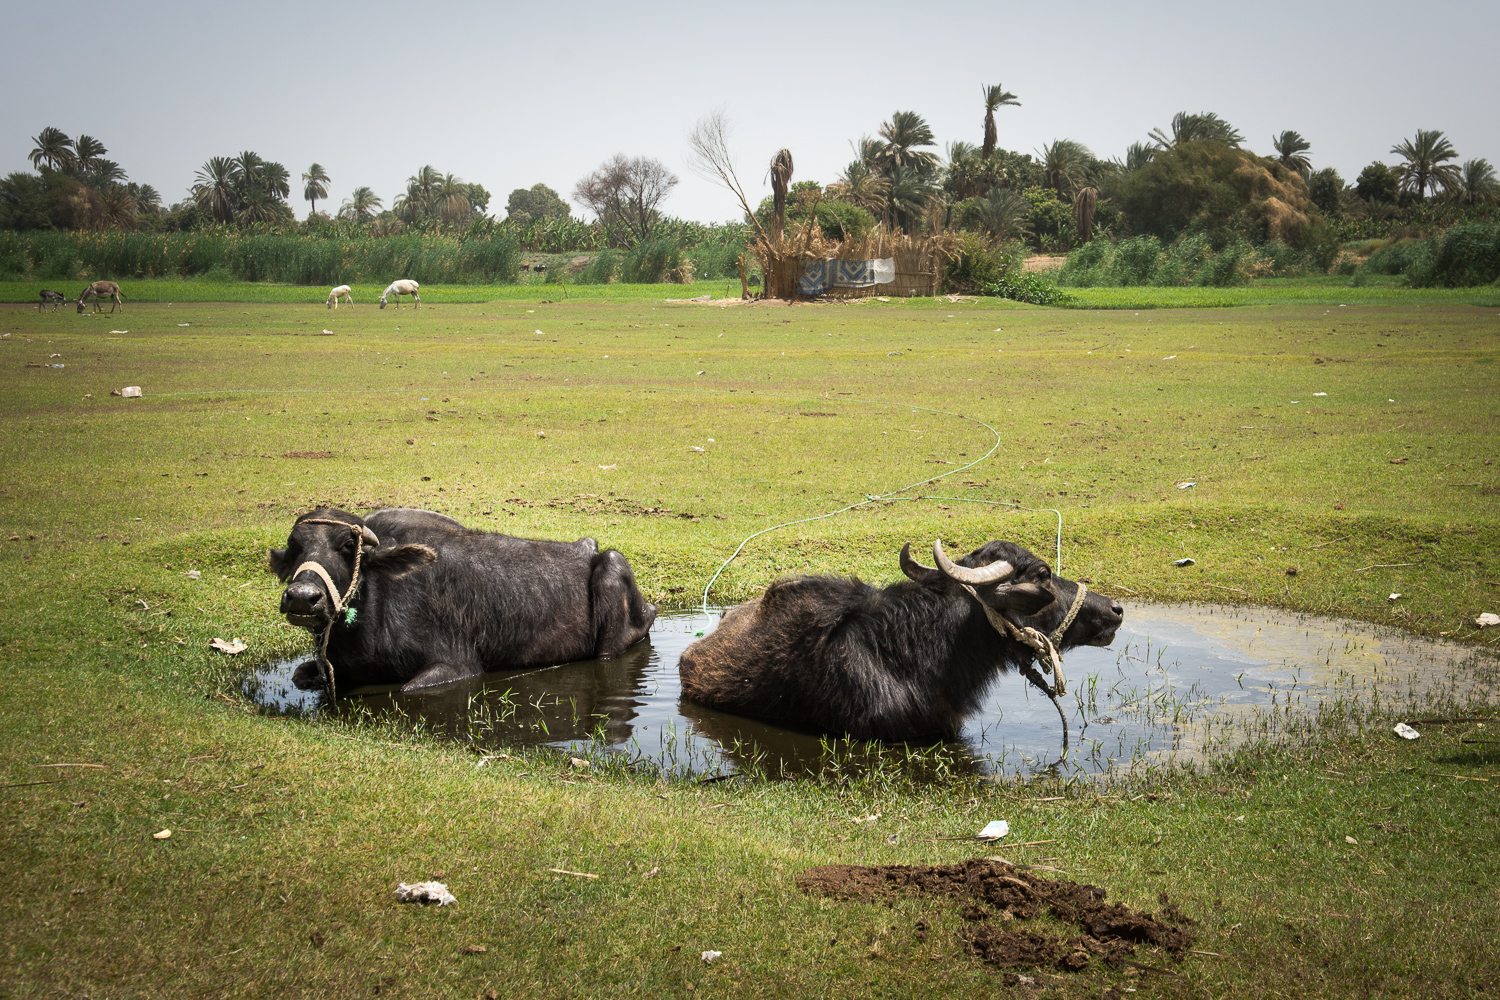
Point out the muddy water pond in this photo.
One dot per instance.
(1180, 683)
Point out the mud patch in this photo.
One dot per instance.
(992, 894)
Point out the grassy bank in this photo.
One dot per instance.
(288, 836)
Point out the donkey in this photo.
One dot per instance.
(102, 290)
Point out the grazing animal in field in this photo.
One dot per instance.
(56, 298)
(102, 290)
(907, 662)
(342, 291)
(400, 287)
(436, 602)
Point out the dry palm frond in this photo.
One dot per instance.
(781, 180)
(1083, 212)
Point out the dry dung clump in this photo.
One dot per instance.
(994, 893)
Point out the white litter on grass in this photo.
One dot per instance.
(161, 834)
(694, 448)
(1180, 563)
(994, 830)
(540, 334)
(1186, 486)
(1487, 619)
(119, 331)
(184, 324)
(425, 892)
(231, 647)
(1406, 732)
(1320, 394)
(329, 332)
(709, 956)
(1394, 597)
(194, 574)
(1169, 357)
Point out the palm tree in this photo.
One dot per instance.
(994, 98)
(361, 206)
(315, 185)
(257, 205)
(1137, 155)
(902, 134)
(102, 173)
(88, 152)
(1290, 146)
(907, 198)
(1004, 214)
(1477, 184)
(967, 175)
(1425, 167)
(147, 199)
(116, 208)
(1202, 127)
(859, 184)
(54, 147)
(214, 187)
(452, 200)
(1065, 164)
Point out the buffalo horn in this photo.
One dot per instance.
(993, 573)
(370, 538)
(913, 569)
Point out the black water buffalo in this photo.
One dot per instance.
(907, 662)
(437, 602)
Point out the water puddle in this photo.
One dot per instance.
(1180, 683)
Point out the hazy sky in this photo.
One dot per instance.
(511, 94)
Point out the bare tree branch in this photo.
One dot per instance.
(711, 160)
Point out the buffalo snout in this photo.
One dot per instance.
(305, 604)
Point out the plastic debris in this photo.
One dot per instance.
(994, 830)
(184, 324)
(129, 392)
(694, 447)
(231, 647)
(1487, 619)
(425, 892)
(709, 956)
(161, 834)
(1320, 394)
(608, 468)
(540, 334)
(194, 574)
(1394, 597)
(1406, 732)
(1186, 485)
(119, 331)
(578, 763)
(1184, 562)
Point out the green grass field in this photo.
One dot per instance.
(1353, 445)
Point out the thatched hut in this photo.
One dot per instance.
(917, 261)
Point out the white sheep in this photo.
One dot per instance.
(340, 292)
(400, 287)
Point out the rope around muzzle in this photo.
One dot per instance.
(1040, 644)
(339, 602)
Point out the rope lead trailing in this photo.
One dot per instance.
(325, 667)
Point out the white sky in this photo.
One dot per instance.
(511, 94)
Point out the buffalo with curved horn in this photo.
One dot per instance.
(910, 661)
(412, 597)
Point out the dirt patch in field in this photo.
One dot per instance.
(993, 895)
(1043, 262)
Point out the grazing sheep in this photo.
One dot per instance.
(341, 291)
(400, 287)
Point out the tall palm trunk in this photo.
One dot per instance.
(781, 179)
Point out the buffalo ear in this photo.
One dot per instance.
(1023, 598)
(279, 563)
(399, 560)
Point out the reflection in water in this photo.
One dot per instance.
(1180, 683)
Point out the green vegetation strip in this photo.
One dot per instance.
(288, 838)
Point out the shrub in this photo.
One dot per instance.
(978, 263)
(1466, 255)
(1023, 287)
(601, 270)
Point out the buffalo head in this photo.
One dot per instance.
(1023, 588)
(318, 563)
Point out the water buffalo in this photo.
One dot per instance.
(437, 602)
(908, 662)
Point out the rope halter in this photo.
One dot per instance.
(362, 535)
